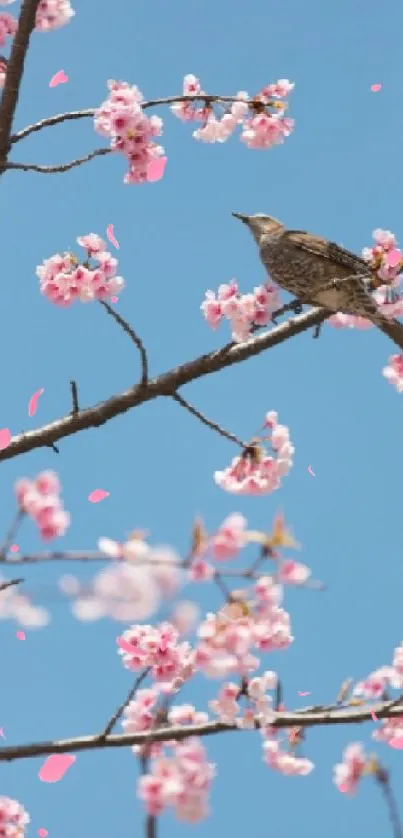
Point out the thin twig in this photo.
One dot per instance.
(164, 385)
(209, 422)
(5, 585)
(74, 397)
(305, 717)
(12, 532)
(83, 114)
(120, 710)
(134, 337)
(15, 70)
(383, 780)
(59, 167)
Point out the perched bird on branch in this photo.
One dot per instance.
(319, 272)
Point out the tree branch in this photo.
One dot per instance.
(164, 385)
(208, 99)
(120, 710)
(305, 717)
(210, 424)
(60, 167)
(133, 336)
(15, 70)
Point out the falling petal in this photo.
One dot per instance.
(97, 495)
(397, 742)
(303, 693)
(33, 402)
(374, 717)
(5, 438)
(2, 733)
(114, 299)
(55, 767)
(310, 471)
(58, 78)
(14, 548)
(394, 257)
(124, 645)
(20, 635)
(111, 237)
(42, 832)
(156, 169)
(376, 88)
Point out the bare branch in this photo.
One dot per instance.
(151, 103)
(12, 532)
(15, 70)
(10, 584)
(119, 712)
(60, 167)
(164, 385)
(133, 336)
(305, 717)
(210, 424)
(383, 780)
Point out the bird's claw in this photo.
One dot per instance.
(317, 331)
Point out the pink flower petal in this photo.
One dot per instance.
(343, 788)
(310, 471)
(97, 495)
(397, 742)
(55, 767)
(111, 237)
(303, 693)
(156, 169)
(20, 635)
(2, 733)
(42, 832)
(14, 548)
(376, 88)
(58, 78)
(114, 299)
(5, 438)
(374, 717)
(33, 402)
(394, 257)
(124, 645)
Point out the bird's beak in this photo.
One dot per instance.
(244, 218)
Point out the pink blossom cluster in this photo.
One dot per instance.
(378, 681)
(40, 500)
(244, 311)
(227, 639)
(18, 607)
(286, 762)
(141, 714)
(390, 732)
(181, 781)
(260, 706)
(348, 772)
(255, 472)
(129, 589)
(63, 280)
(8, 27)
(121, 118)
(13, 818)
(52, 14)
(385, 260)
(260, 127)
(171, 662)
(393, 372)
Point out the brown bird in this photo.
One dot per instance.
(318, 272)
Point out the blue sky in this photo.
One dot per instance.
(339, 175)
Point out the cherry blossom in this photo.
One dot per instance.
(243, 311)
(348, 772)
(181, 781)
(393, 372)
(52, 14)
(63, 280)
(283, 761)
(255, 472)
(40, 500)
(121, 118)
(13, 818)
(8, 27)
(157, 647)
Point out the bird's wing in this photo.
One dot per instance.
(327, 250)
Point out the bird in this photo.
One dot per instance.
(318, 272)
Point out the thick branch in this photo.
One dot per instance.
(15, 69)
(306, 717)
(164, 385)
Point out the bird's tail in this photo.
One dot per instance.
(393, 329)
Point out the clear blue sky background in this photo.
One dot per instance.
(339, 175)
